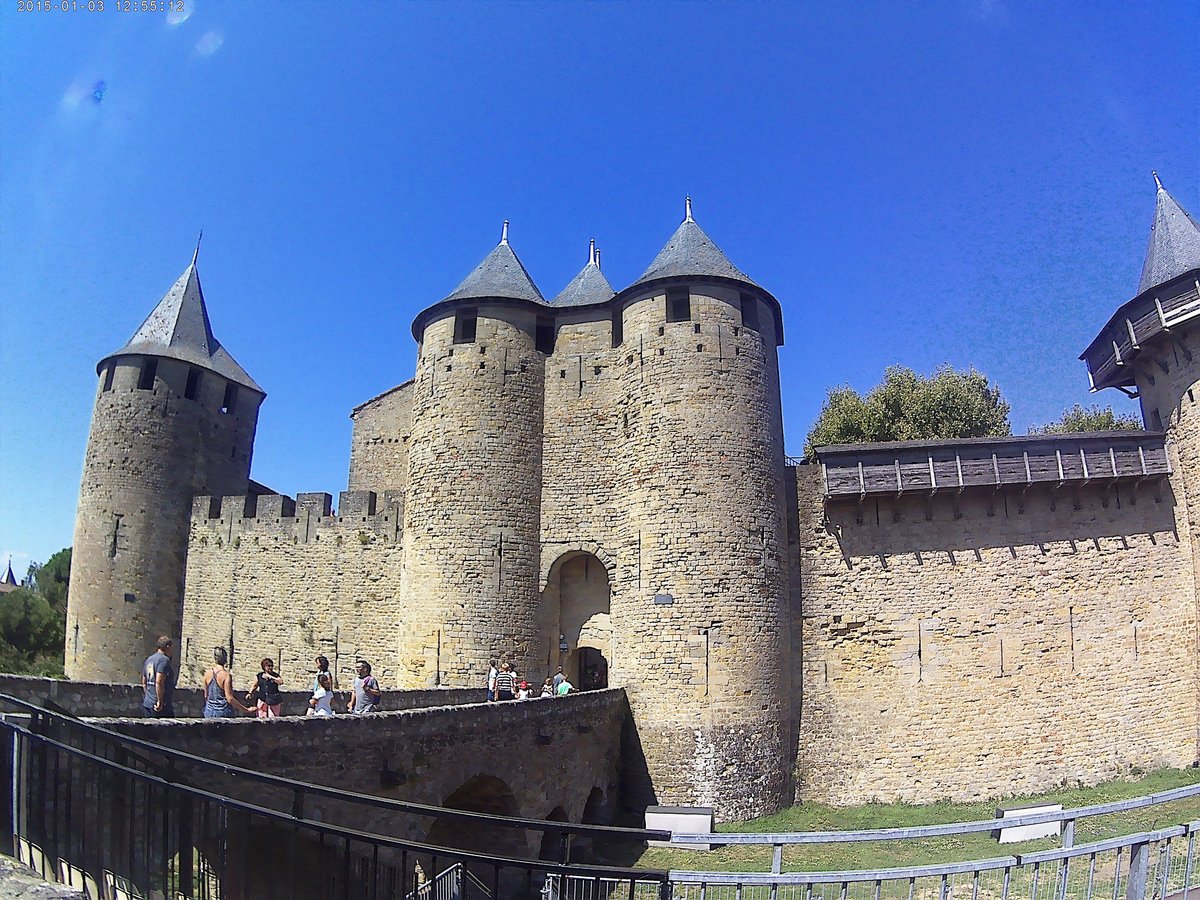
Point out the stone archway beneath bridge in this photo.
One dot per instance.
(576, 622)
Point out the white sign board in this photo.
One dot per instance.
(1027, 832)
(681, 819)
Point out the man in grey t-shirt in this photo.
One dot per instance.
(158, 681)
(366, 695)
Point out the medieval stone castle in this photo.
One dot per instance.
(599, 481)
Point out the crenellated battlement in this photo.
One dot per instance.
(363, 515)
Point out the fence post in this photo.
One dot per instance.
(1068, 835)
(777, 858)
(1139, 871)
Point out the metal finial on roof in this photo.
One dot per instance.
(196, 252)
(592, 252)
(687, 209)
(1157, 183)
(597, 259)
(504, 233)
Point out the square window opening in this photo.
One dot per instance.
(618, 328)
(465, 325)
(229, 403)
(109, 371)
(544, 336)
(749, 311)
(679, 305)
(192, 389)
(146, 377)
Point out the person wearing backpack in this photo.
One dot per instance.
(367, 695)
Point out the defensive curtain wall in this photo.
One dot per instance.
(599, 480)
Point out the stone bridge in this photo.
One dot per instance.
(557, 758)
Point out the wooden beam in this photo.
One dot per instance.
(899, 480)
(958, 463)
(1162, 316)
(1083, 459)
(1132, 336)
(932, 477)
(1117, 354)
(1142, 457)
(1112, 459)
(996, 470)
(1061, 475)
(862, 482)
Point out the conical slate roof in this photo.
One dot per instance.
(179, 328)
(499, 275)
(1174, 242)
(8, 576)
(691, 252)
(588, 287)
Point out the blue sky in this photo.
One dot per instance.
(963, 182)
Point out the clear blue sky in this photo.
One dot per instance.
(918, 183)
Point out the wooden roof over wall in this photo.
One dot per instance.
(856, 470)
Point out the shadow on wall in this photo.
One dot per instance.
(637, 788)
(969, 523)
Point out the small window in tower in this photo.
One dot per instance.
(618, 327)
(192, 389)
(229, 404)
(679, 305)
(544, 336)
(146, 378)
(108, 376)
(750, 311)
(464, 326)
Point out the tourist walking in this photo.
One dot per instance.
(158, 681)
(564, 687)
(493, 671)
(266, 689)
(321, 703)
(366, 694)
(322, 668)
(559, 678)
(506, 682)
(219, 701)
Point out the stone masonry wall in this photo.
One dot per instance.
(292, 586)
(149, 452)
(557, 753)
(379, 441)
(472, 513)
(988, 644)
(700, 435)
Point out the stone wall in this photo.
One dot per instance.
(992, 643)
(523, 759)
(90, 699)
(379, 441)
(149, 452)
(294, 586)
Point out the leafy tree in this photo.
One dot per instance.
(907, 407)
(51, 580)
(33, 619)
(1092, 418)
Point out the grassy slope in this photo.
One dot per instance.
(832, 857)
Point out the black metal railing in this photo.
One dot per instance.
(82, 799)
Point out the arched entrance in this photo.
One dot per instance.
(575, 619)
(486, 794)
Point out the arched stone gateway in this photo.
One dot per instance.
(576, 623)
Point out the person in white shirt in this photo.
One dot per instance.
(321, 703)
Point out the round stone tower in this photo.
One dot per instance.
(174, 417)
(703, 437)
(472, 514)
(1150, 349)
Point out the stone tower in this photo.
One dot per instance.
(174, 417)
(472, 515)
(703, 434)
(1150, 348)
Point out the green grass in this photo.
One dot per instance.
(887, 854)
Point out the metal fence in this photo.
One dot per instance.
(87, 808)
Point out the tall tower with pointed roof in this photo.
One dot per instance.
(1150, 348)
(472, 518)
(174, 417)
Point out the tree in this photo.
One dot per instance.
(33, 619)
(1092, 418)
(907, 407)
